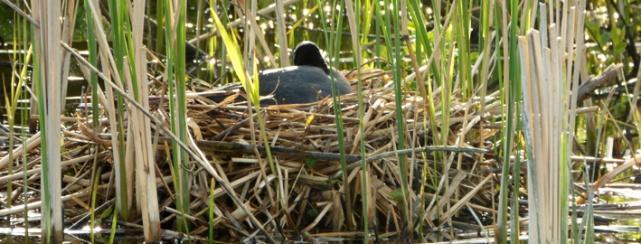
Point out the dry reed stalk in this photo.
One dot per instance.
(142, 157)
(30, 144)
(49, 54)
(37, 204)
(551, 60)
(30, 172)
(281, 35)
(68, 27)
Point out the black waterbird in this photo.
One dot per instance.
(309, 80)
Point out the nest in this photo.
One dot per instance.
(306, 194)
(301, 193)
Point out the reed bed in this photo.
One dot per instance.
(444, 137)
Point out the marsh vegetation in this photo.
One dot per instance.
(422, 121)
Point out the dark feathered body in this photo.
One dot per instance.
(308, 81)
(300, 84)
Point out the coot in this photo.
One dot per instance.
(309, 80)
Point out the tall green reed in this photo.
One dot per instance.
(333, 44)
(175, 37)
(124, 185)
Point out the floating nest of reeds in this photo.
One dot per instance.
(311, 198)
(302, 195)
